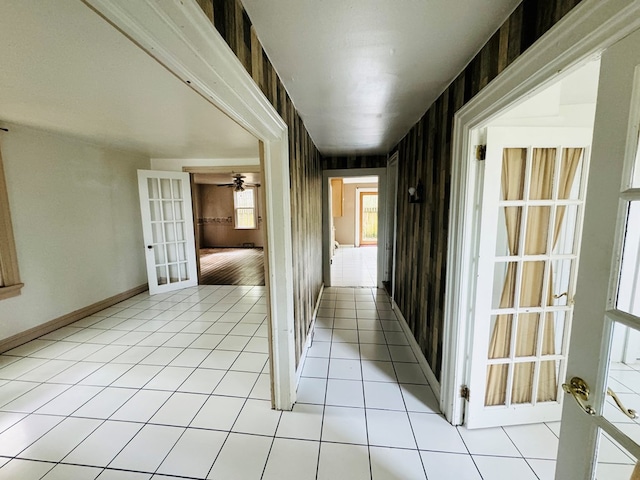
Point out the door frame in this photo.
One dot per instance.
(587, 30)
(392, 222)
(181, 37)
(381, 173)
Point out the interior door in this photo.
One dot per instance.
(531, 218)
(599, 438)
(167, 227)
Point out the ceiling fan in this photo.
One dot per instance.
(238, 183)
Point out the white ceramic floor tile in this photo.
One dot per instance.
(395, 463)
(419, 398)
(218, 413)
(545, 469)
(447, 466)
(194, 453)
(383, 395)
(344, 393)
(105, 404)
(292, 459)
(434, 433)
(221, 359)
(257, 418)
(315, 367)
(146, 451)
(319, 349)
(18, 437)
(46, 371)
(400, 353)
(169, 378)
(202, 380)
(374, 371)
(142, 406)
(24, 470)
(489, 441)
(15, 389)
(190, 357)
(499, 468)
(343, 461)
(101, 447)
(35, 398)
(534, 441)
(344, 425)
(371, 351)
(250, 362)
(236, 384)
(54, 445)
(179, 410)
(262, 388)
(410, 373)
(389, 429)
(8, 419)
(232, 460)
(106, 374)
(161, 356)
(109, 474)
(66, 472)
(70, 400)
(345, 369)
(303, 422)
(76, 373)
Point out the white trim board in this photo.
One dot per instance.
(309, 341)
(587, 30)
(381, 173)
(422, 361)
(181, 37)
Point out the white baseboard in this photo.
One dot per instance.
(307, 343)
(424, 365)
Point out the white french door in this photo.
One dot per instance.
(530, 223)
(600, 438)
(167, 227)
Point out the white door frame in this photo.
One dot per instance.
(582, 34)
(181, 37)
(381, 173)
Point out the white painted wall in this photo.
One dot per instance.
(176, 164)
(76, 219)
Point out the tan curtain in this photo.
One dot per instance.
(635, 475)
(541, 185)
(513, 169)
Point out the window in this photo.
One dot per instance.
(9, 276)
(245, 208)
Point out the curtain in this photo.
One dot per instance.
(635, 475)
(531, 289)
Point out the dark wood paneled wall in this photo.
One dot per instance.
(425, 154)
(353, 161)
(233, 23)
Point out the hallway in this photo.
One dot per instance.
(354, 267)
(177, 385)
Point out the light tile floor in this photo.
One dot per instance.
(354, 267)
(177, 386)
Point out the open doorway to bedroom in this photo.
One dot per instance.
(229, 227)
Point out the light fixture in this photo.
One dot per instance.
(415, 193)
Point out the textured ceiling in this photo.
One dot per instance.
(362, 72)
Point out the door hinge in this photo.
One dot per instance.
(481, 152)
(464, 392)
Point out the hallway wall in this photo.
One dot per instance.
(233, 23)
(425, 153)
(77, 225)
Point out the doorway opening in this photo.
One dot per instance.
(229, 228)
(530, 192)
(354, 231)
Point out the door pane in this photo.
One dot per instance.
(560, 282)
(629, 287)
(501, 326)
(369, 218)
(554, 331)
(571, 174)
(508, 241)
(542, 173)
(504, 284)
(522, 382)
(548, 381)
(532, 284)
(514, 168)
(565, 230)
(537, 233)
(527, 334)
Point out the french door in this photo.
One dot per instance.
(600, 433)
(530, 224)
(167, 227)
